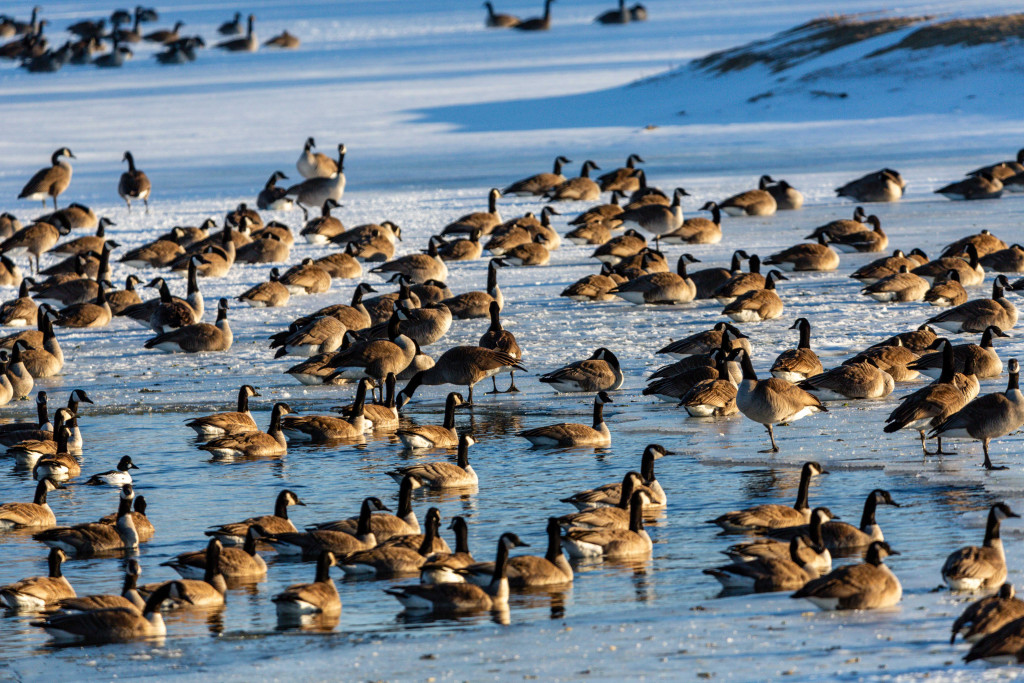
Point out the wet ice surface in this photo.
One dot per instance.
(660, 617)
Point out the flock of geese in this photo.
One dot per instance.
(89, 38)
(377, 342)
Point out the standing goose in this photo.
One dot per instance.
(499, 20)
(656, 219)
(987, 417)
(198, 337)
(313, 542)
(772, 515)
(221, 424)
(770, 574)
(698, 230)
(18, 375)
(319, 597)
(796, 365)
(757, 305)
(59, 465)
(868, 585)
(814, 256)
(537, 23)
(900, 286)
(249, 43)
(568, 434)
(442, 475)
(971, 271)
(39, 591)
(272, 197)
(417, 268)
(328, 428)
(853, 381)
(817, 555)
(134, 184)
(236, 533)
(432, 436)
(660, 288)
(600, 372)
(36, 514)
(976, 568)
(987, 615)
(757, 202)
(50, 182)
(987, 364)
(581, 188)
(611, 494)
(873, 240)
(115, 477)
(613, 544)
(981, 186)
(462, 366)
(36, 239)
(979, 314)
(500, 339)
(772, 401)
(239, 564)
(885, 185)
(485, 221)
(317, 190)
(254, 444)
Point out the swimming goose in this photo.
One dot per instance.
(269, 294)
(600, 372)
(615, 516)
(272, 197)
(612, 544)
(987, 615)
(1009, 260)
(980, 314)
(418, 268)
(327, 428)
(900, 286)
(39, 591)
(976, 568)
(985, 242)
(567, 434)
(209, 591)
(814, 256)
(238, 564)
(740, 283)
(143, 526)
(854, 381)
(379, 416)
(931, 405)
(36, 514)
(885, 185)
(771, 515)
(115, 477)
(319, 597)
(463, 366)
(134, 184)
(982, 186)
(529, 571)
(87, 540)
(110, 625)
(221, 424)
(987, 417)
(255, 444)
(971, 272)
(840, 537)
(757, 202)
(889, 265)
(129, 599)
(611, 494)
(580, 188)
(37, 444)
(698, 230)
(402, 523)
(236, 533)
(35, 239)
(317, 190)
(58, 465)
(770, 574)
(249, 43)
(426, 544)
(987, 364)
(655, 218)
(432, 436)
(796, 365)
(198, 337)
(311, 543)
(50, 182)
(817, 556)
(757, 305)
(396, 557)
(442, 475)
(442, 567)
(868, 585)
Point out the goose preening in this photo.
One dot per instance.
(885, 185)
(979, 314)
(235, 533)
(796, 365)
(772, 515)
(36, 514)
(198, 337)
(977, 568)
(770, 574)
(254, 444)
(319, 597)
(758, 304)
(566, 434)
(600, 372)
(611, 494)
(613, 544)
(39, 591)
(462, 366)
(118, 476)
(50, 182)
(757, 202)
(868, 585)
(772, 401)
(987, 615)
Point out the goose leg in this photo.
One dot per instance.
(54, 203)
(938, 450)
(470, 395)
(129, 203)
(988, 463)
(771, 435)
(494, 383)
(513, 389)
(146, 202)
(305, 211)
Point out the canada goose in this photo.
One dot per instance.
(841, 226)
(854, 381)
(115, 477)
(971, 271)
(500, 339)
(987, 362)
(698, 230)
(198, 337)
(757, 202)
(39, 591)
(712, 397)
(987, 417)
(209, 591)
(796, 365)
(768, 575)
(931, 405)
(602, 213)
(110, 624)
(120, 299)
(10, 273)
(396, 556)
(615, 516)
(36, 514)
(164, 36)
(50, 182)
(314, 191)
(29, 445)
(269, 294)
(424, 325)
(1002, 169)
(221, 424)
(310, 544)
(327, 428)
(272, 197)
(1008, 260)
(351, 317)
(612, 543)
(840, 537)
(672, 382)
(9, 224)
(432, 436)
(467, 249)
(567, 434)
(319, 597)
(87, 540)
(442, 567)
(987, 615)
(980, 314)
(462, 366)
(20, 378)
(757, 305)
(255, 444)
(485, 221)
(787, 197)
(20, 312)
(384, 527)
(58, 465)
(774, 516)
(236, 533)
(36, 239)
(418, 268)
(621, 247)
(377, 417)
(134, 184)
(815, 256)
(271, 248)
(614, 16)
(600, 372)
(427, 543)
(247, 44)
(917, 341)
(313, 164)
(976, 568)
(740, 283)
(537, 23)
(772, 401)
(655, 218)
(157, 254)
(442, 475)
(96, 314)
(985, 242)
(238, 564)
(532, 253)
(707, 341)
(611, 494)
(233, 27)
(1002, 646)
(375, 358)
(323, 228)
(659, 288)
(815, 553)
(581, 188)
(217, 259)
(868, 585)
(885, 185)
(499, 20)
(6, 389)
(320, 335)
(981, 186)
(477, 304)
(596, 232)
(167, 312)
(340, 265)
(129, 599)
(873, 240)
(595, 287)
(900, 286)
(86, 243)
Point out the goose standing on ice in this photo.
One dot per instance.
(772, 401)
(50, 182)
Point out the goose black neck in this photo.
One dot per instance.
(598, 413)
(243, 399)
(449, 413)
(636, 514)
(250, 543)
(492, 202)
(405, 498)
(554, 550)
(54, 560)
(681, 267)
(427, 546)
(867, 517)
(363, 527)
(193, 277)
(495, 320)
(131, 161)
(748, 367)
(41, 491)
(212, 563)
(461, 537)
(130, 580)
(463, 455)
(389, 383)
(165, 293)
(802, 493)
(281, 505)
(124, 506)
(626, 492)
(275, 420)
(62, 439)
(805, 335)
(359, 405)
(357, 297)
(754, 263)
(500, 563)
(948, 366)
(41, 411)
(323, 568)
(815, 531)
(1013, 383)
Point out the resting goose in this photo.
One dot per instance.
(568, 434)
(319, 597)
(815, 256)
(581, 188)
(384, 527)
(660, 288)
(96, 314)
(787, 197)
(417, 268)
(982, 186)
(254, 444)
(221, 424)
(770, 574)
(311, 544)
(269, 294)
(987, 364)
(889, 265)
(757, 202)
(1009, 260)
(306, 278)
(796, 365)
(698, 230)
(464, 366)
(885, 185)
(738, 282)
(485, 221)
(854, 381)
(772, 515)
(540, 183)
(442, 475)
(841, 538)
(971, 271)
(22, 311)
(39, 591)
(901, 286)
(611, 494)
(595, 287)
(600, 372)
(36, 514)
(272, 197)
(817, 555)
(612, 544)
(712, 397)
(757, 305)
(707, 341)
(621, 247)
(980, 568)
(1002, 646)
(198, 337)
(984, 241)
(278, 523)
(671, 383)
(987, 615)
(235, 564)
(868, 585)
(874, 240)
(980, 314)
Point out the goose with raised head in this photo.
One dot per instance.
(796, 365)
(614, 516)
(971, 271)
(980, 314)
(569, 434)
(384, 526)
(6, 389)
(600, 372)
(987, 615)
(772, 401)
(495, 20)
(328, 428)
(323, 228)
(698, 230)
(377, 416)
(885, 185)
(987, 417)
(485, 221)
(442, 567)
(816, 554)
(841, 537)
(611, 493)
(867, 585)
(477, 304)
(770, 574)
(900, 286)
(462, 366)
(10, 273)
(50, 182)
(854, 381)
(542, 23)
(987, 364)
(234, 564)
(498, 338)
(120, 299)
(255, 444)
(873, 240)
(311, 543)
(235, 533)
(759, 304)
(975, 568)
(655, 218)
(614, 16)
(427, 543)
(39, 591)
(118, 476)
(739, 283)
(21, 380)
(134, 184)
(580, 188)
(36, 514)
(29, 446)
(772, 515)
(87, 540)
(622, 179)
(208, 591)
(58, 465)
(269, 294)
(317, 190)
(813, 256)
(433, 436)
(320, 597)
(396, 556)
(442, 475)
(530, 571)
(613, 544)
(272, 197)
(88, 314)
(314, 164)
(248, 43)
(129, 599)
(757, 202)
(237, 422)
(198, 337)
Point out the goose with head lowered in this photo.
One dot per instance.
(975, 568)
(772, 515)
(988, 615)
(442, 475)
(600, 372)
(611, 494)
(384, 526)
(770, 574)
(812, 256)
(868, 585)
(36, 514)
(236, 533)
(463, 366)
(319, 597)
(568, 434)
(255, 444)
(237, 422)
(310, 544)
(816, 554)
(198, 337)
(795, 365)
(39, 591)
(757, 305)
(980, 314)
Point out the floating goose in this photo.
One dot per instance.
(384, 527)
(207, 592)
(840, 537)
(426, 543)
(613, 544)
(771, 574)
(608, 516)
(611, 494)
(134, 184)
(112, 625)
(397, 558)
(757, 202)
(255, 444)
(568, 434)
(327, 428)
(59, 465)
(816, 256)
(987, 615)
(115, 477)
(312, 543)
(885, 185)
(759, 304)
(771, 515)
(796, 365)
(442, 475)
(854, 381)
(980, 314)
(529, 571)
(869, 585)
(319, 597)
(278, 523)
(237, 422)
(87, 540)
(36, 514)
(50, 182)
(39, 591)
(129, 599)
(432, 436)
(235, 564)
(980, 568)
(600, 372)
(197, 338)
(817, 555)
